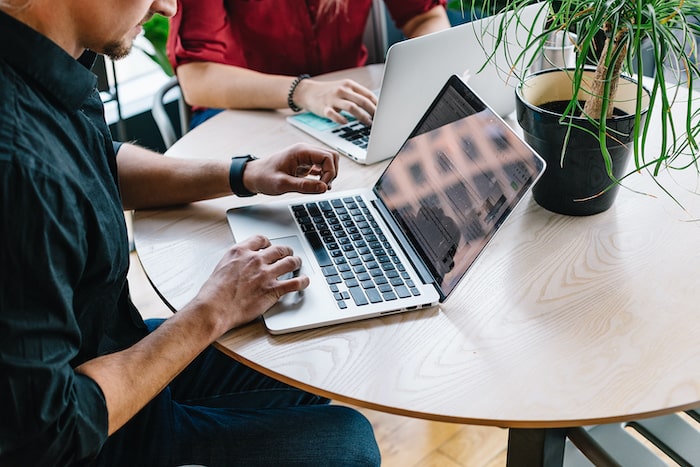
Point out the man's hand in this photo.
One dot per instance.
(329, 98)
(245, 282)
(301, 168)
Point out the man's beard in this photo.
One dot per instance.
(117, 50)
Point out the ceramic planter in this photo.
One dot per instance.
(579, 183)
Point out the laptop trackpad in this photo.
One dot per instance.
(297, 308)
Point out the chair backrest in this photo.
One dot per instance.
(160, 115)
(375, 36)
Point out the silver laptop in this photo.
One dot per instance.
(414, 72)
(407, 242)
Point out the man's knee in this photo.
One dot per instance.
(354, 441)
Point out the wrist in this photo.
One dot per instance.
(235, 175)
(291, 102)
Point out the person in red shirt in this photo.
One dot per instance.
(245, 54)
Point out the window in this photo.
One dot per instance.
(137, 80)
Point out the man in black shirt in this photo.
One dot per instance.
(83, 381)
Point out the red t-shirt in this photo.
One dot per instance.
(278, 36)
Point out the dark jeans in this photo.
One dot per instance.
(221, 413)
(202, 115)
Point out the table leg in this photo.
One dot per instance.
(536, 447)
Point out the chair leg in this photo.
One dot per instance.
(590, 448)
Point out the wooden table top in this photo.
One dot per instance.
(562, 321)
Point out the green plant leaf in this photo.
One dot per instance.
(155, 31)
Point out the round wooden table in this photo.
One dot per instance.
(563, 321)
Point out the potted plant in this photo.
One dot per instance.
(612, 39)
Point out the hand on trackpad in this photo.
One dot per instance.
(293, 243)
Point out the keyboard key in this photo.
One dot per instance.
(388, 296)
(402, 291)
(379, 280)
(396, 281)
(313, 209)
(319, 251)
(367, 284)
(347, 275)
(358, 296)
(373, 295)
(333, 280)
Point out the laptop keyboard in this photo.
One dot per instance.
(356, 132)
(357, 260)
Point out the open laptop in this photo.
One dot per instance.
(415, 70)
(407, 242)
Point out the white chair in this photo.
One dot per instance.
(375, 36)
(160, 115)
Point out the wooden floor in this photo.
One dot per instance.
(403, 441)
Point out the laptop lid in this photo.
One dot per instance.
(415, 71)
(454, 182)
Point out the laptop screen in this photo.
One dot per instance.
(455, 180)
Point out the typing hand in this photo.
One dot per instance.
(329, 98)
(249, 279)
(300, 168)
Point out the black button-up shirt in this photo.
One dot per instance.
(63, 253)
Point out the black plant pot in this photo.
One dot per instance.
(578, 184)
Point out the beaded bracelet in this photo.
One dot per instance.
(292, 88)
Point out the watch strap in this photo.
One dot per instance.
(235, 175)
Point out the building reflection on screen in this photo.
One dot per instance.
(450, 187)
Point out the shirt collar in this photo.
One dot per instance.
(38, 58)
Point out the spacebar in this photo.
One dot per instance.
(320, 252)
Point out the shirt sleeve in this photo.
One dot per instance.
(51, 415)
(402, 11)
(205, 35)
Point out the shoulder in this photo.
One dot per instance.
(27, 133)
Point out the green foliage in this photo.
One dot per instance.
(612, 35)
(155, 31)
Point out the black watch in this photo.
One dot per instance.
(235, 175)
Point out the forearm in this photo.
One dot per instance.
(431, 21)
(129, 379)
(148, 179)
(244, 284)
(220, 86)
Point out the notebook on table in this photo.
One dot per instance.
(405, 243)
(414, 71)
